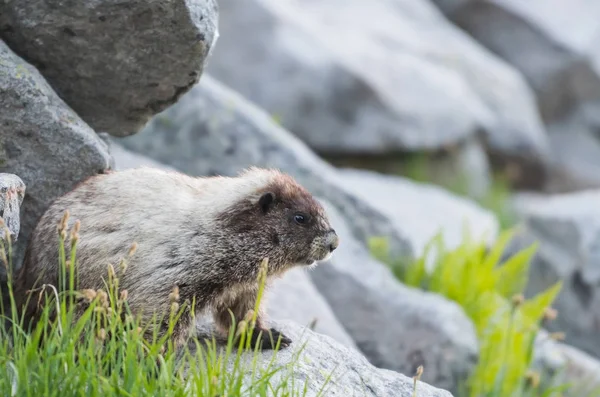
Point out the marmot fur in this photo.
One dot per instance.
(206, 235)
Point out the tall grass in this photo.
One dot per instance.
(88, 342)
(491, 293)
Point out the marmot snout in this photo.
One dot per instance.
(207, 236)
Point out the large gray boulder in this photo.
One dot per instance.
(396, 327)
(12, 191)
(561, 64)
(115, 62)
(326, 368)
(42, 141)
(213, 130)
(567, 227)
(372, 77)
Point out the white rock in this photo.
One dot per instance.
(421, 210)
(317, 357)
(567, 227)
(373, 76)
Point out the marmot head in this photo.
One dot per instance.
(282, 219)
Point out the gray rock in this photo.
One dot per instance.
(12, 191)
(115, 62)
(42, 141)
(293, 297)
(312, 358)
(396, 327)
(422, 210)
(562, 65)
(567, 227)
(575, 164)
(582, 370)
(213, 130)
(565, 364)
(372, 77)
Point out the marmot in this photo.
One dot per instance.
(205, 235)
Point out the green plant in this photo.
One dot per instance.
(89, 343)
(491, 294)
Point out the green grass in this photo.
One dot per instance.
(88, 343)
(491, 294)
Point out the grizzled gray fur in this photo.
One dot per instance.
(206, 236)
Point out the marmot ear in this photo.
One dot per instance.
(266, 201)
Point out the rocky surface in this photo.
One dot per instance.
(563, 364)
(12, 191)
(422, 210)
(582, 370)
(213, 130)
(116, 63)
(562, 65)
(42, 141)
(567, 227)
(293, 297)
(575, 163)
(358, 76)
(316, 357)
(396, 327)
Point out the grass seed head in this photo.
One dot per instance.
(533, 379)
(62, 226)
(174, 295)
(550, 314)
(517, 300)
(132, 249)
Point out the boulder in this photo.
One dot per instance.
(115, 62)
(395, 327)
(564, 364)
(293, 297)
(371, 77)
(42, 140)
(567, 227)
(213, 130)
(561, 65)
(12, 191)
(422, 210)
(326, 368)
(575, 164)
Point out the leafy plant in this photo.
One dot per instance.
(491, 294)
(89, 343)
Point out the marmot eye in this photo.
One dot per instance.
(301, 218)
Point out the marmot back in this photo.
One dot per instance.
(205, 236)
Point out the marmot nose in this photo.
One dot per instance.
(333, 240)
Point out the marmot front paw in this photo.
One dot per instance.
(268, 339)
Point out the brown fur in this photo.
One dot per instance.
(207, 236)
